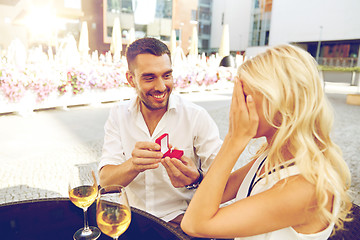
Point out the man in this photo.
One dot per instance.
(158, 185)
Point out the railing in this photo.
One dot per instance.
(338, 62)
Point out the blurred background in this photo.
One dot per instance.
(328, 29)
(62, 67)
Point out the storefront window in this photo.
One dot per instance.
(164, 9)
(146, 17)
(261, 19)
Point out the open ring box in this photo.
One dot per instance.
(163, 141)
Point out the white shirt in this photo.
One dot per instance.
(190, 129)
(262, 185)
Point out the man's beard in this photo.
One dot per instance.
(153, 107)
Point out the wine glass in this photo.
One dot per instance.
(113, 213)
(83, 190)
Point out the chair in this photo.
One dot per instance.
(351, 229)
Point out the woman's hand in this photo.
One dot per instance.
(243, 118)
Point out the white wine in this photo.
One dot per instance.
(83, 196)
(113, 219)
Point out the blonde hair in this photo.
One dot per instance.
(295, 104)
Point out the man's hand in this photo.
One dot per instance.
(181, 172)
(146, 155)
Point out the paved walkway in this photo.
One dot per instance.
(38, 151)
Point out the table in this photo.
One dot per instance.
(59, 219)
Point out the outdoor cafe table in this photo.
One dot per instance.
(58, 218)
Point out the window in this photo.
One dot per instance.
(267, 34)
(118, 6)
(163, 9)
(261, 21)
(113, 5)
(177, 32)
(204, 13)
(151, 18)
(205, 43)
(205, 2)
(165, 38)
(256, 4)
(109, 31)
(126, 6)
(193, 15)
(205, 29)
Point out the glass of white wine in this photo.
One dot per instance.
(83, 190)
(113, 213)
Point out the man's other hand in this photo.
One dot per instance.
(181, 172)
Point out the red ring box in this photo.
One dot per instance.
(163, 141)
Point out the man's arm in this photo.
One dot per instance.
(121, 174)
(146, 155)
(207, 143)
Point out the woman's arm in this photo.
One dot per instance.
(205, 204)
(243, 123)
(234, 182)
(290, 202)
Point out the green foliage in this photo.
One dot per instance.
(339, 69)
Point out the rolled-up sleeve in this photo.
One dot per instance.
(112, 152)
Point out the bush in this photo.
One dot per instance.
(339, 69)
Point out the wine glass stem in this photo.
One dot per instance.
(86, 225)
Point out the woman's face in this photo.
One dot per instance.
(264, 128)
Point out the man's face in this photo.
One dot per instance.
(152, 79)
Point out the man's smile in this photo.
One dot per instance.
(159, 96)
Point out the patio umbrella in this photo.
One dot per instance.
(224, 49)
(194, 43)
(178, 58)
(84, 40)
(131, 35)
(116, 40)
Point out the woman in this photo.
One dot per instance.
(296, 187)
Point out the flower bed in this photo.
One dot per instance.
(50, 85)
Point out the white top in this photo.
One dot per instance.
(190, 129)
(261, 186)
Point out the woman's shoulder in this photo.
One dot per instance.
(289, 184)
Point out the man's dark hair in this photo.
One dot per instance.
(145, 45)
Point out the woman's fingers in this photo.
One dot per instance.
(243, 119)
(236, 103)
(253, 115)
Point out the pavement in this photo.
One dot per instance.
(39, 150)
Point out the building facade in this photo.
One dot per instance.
(237, 15)
(39, 22)
(138, 18)
(204, 20)
(328, 29)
